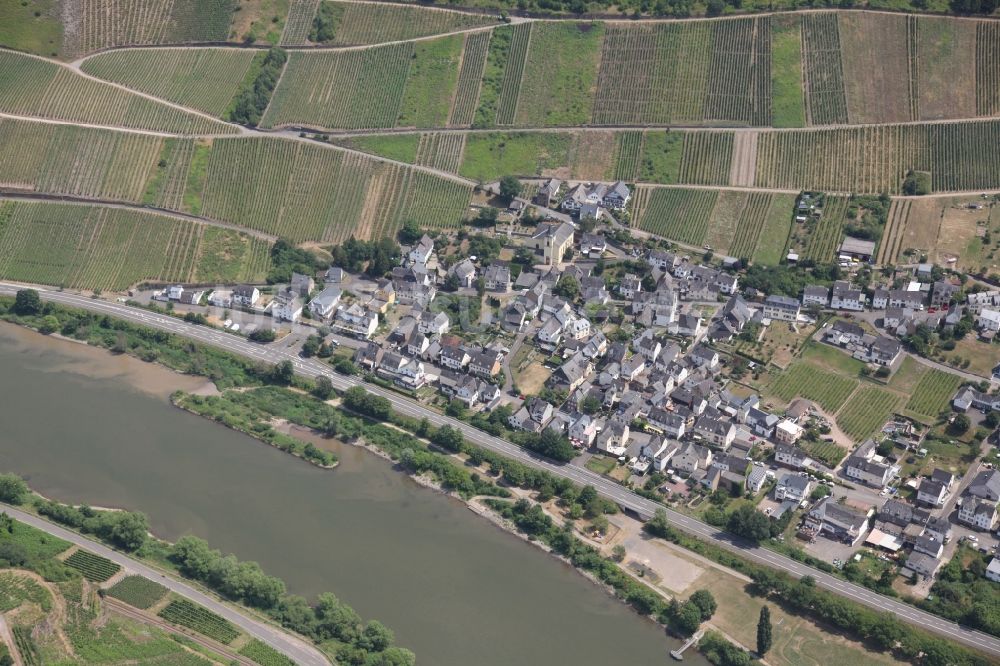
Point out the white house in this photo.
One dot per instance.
(356, 320)
(989, 320)
(246, 295)
(325, 302)
(287, 306)
(793, 487)
(980, 514)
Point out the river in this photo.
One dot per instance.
(82, 425)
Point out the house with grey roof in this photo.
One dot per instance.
(839, 521)
(986, 485)
(793, 487)
(323, 305)
(815, 294)
(465, 272)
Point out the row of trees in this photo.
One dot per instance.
(376, 257)
(127, 530)
(252, 99)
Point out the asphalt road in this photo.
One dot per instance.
(625, 498)
(294, 648)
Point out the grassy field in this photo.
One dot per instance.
(34, 87)
(203, 79)
(33, 27)
(788, 105)
(491, 155)
(108, 248)
(431, 83)
(946, 62)
(946, 229)
(661, 155)
(400, 147)
(560, 73)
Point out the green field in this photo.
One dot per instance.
(34, 87)
(933, 393)
(137, 591)
(805, 380)
(788, 106)
(18, 589)
(867, 411)
(431, 83)
(560, 72)
(827, 453)
(489, 156)
(33, 27)
(371, 23)
(400, 147)
(262, 653)
(202, 79)
(188, 614)
(93, 567)
(662, 152)
(675, 213)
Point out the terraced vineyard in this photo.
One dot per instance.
(866, 411)
(675, 213)
(706, 158)
(95, 247)
(101, 24)
(805, 380)
(824, 72)
(375, 23)
(34, 87)
(933, 393)
(187, 614)
(470, 76)
(138, 592)
(93, 567)
(358, 89)
(876, 159)
(203, 79)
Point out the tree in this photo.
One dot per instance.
(749, 523)
(917, 183)
(49, 325)
(27, 302)
(262, 335)
(129, 530)
(510, 187)
(960, 425)
(764, 631)
(282, 373)
(324, 388)
(705, 602)
(410, 232)
(13, 489)
(449, 438)
(618, 553)
(590, 405)
(688, 620)
(567, 288)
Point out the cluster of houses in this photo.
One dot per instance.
(584, 200)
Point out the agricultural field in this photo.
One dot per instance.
(987, 68)
(502, 75)
(661, 156)
(203, 79)
(357, 89)
(265, 655)
(560, 73)
(819, 240)
(431, 82)
(359, 23)
(93, 567)
(95, 247)
(17, 589)
(788, 102)
(39, 88)
(933, 393)
(32, 28)
(802, 379)
(876, 159)
(876, 64)
(628, 155)
(762, 228)
(101, 24)
(440, 150)
(706, 158)
(188, 614)
(959, 232)
(893, 238)
(299, 22)
(470, 75)
(828, 453)
(824, 74)
(399, 147)
(739, 85)
(675, 213)
(946, 65)
(137, 591)
(489, 156)
(867, 410)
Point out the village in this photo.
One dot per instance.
(570, 336)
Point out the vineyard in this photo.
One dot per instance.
(34, 87)
(358, 89)
(101, 24)
(188, 614)
(138, 592)
(739, 85)
(109, 248)
(876, 159)
(441, 150)
(706, 158)
(827, 234)
(93, 567)
(204, 79)
(510, 84)
(265, 655)
(675, 213)
(933, 393)
(824, 75)
(470, 75)
(299, 22)
(560, 71)
(17, 589)
(628, 155)
(827, 453)
(807, 381)
(762, 228)
(877, 66)
(375, 23)
(866, 411)
(987, 68)
(895, 229)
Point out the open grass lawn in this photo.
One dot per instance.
(601, 464)
(400, 147)
(907, 376)
(661, 157)
(34, 27)
(788, 105)
(489, 156)
(779, 344)
(983, 356)
(941, 453)
(831, 358)
(37, 544)
(431, 82)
